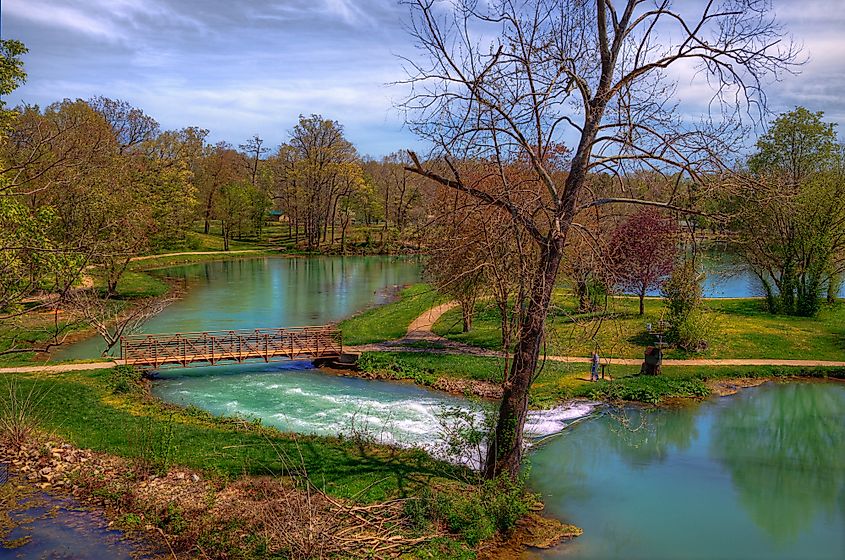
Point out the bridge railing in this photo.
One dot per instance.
(233, 345)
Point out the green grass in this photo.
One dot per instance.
(390, 321)
(741, 328)
(133, 285)
(94, 411)
(558, 381)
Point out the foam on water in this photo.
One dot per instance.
(308, 401)
(544, 423)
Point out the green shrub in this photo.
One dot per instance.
(393, 366)
(689, 325)
(474, 516)
(648, 388)
(124, 379)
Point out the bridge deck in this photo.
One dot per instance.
(216, 346)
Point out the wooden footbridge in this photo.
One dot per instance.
(294, 343)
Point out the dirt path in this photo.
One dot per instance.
(420, 331)
(59, 368)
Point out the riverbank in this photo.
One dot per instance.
(199, 481)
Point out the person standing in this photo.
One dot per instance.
(594, 366)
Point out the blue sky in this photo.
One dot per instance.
(250, 66)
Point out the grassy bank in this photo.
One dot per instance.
(560, 381)
(391, 320)
(739, 328)
(111, 411)
(100, 411)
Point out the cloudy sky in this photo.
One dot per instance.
(251, 66)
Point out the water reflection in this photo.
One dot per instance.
(785, 450)
(643, 437)
(757, 475)
(270, 292)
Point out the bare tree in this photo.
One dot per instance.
(502, 81)
(254, 149)
(112, 319)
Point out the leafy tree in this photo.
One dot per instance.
(799, 144)
(789, 212)
(219, 166)
(12, 76)
(231, 208)
(644, 249)
(312, 174)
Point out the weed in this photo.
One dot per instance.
(124, 379)
(19, 413)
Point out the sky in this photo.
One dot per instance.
(244, 67)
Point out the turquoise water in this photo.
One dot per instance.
(757, 475)
(294, 397)
(270, 292)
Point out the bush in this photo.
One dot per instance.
(648, 389)
(689, 325)
(395, 367)
(474, 516)
(124, 379)
(19, 413)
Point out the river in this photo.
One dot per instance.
(756, 475)
(760, 474)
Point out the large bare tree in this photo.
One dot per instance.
(509, 80)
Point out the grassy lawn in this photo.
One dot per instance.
(86, 409)
(390, 321)
(560, 381)
(741, 328)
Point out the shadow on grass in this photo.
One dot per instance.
(83, 410)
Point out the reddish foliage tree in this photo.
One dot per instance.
(644, 249)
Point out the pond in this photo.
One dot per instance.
(760, 474)
(270, 292)
(285, 292)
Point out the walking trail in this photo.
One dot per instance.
(419, 331)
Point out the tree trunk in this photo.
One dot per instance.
(466, 314)
(584, 303)
(208, 208)
(504, 453)
(834, 284)
(642, 301)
